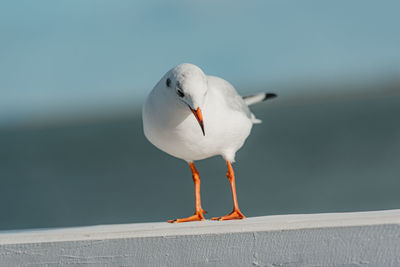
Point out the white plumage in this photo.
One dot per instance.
(170, 125)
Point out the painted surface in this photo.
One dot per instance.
(355, 239)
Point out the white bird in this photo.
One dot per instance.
(193, 116)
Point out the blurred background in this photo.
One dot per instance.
(74, 75)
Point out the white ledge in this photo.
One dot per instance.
(294, 240)
(163, 229)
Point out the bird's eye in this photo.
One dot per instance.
(168, 82)
(180, 93)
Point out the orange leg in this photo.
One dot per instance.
(198, 215)
(236, 213)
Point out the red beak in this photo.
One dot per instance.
(199, 117)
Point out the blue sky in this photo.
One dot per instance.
(70, 55)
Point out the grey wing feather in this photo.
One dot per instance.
(232, 98)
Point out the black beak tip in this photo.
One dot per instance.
(202, 129)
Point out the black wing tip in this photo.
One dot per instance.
(269, 96)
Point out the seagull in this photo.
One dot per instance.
(194, 116)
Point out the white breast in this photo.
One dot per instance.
(171, 126)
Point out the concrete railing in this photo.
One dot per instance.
(344, 239)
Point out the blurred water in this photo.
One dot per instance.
(315, 155)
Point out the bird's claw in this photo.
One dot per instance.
(198, 216)
(234, 215)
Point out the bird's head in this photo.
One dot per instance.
(188, 84)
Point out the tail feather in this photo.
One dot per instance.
(252, 99)
(254, 119)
